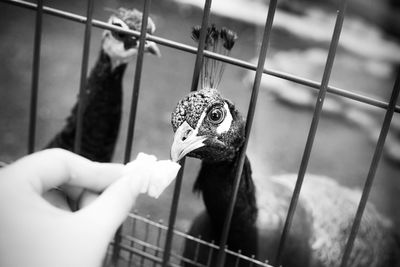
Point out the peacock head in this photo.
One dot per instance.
(206, 126)
(122, 47)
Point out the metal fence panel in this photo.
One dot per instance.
(155, 247)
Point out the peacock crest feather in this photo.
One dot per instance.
(219, 41)
(191, 107)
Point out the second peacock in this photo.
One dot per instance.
(103, 93)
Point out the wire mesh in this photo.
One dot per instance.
(144, 242)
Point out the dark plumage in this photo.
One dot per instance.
(209, 127)
(103, 94)
(322, 220)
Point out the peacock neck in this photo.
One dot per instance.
(104, 69)
(102, 107)
(104, 83)
(216, 182)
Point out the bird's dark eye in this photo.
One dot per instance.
(128, 40)
(119, 36)
(216, 115)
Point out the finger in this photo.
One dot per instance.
(87, 198)
(111, 208)
(57, 199)
(54, 167)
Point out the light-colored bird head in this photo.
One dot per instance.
(121, 47)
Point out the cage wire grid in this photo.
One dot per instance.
(143, 242)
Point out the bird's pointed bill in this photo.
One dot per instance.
(152, 48)
(185, 141)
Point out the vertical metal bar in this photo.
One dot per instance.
(313, 128)
(172, 216)
(238, 259)
(158, 242)
(134, 101)
(372, 170)
(136, 84)
(178, 183)
(84, 67)
(200, 49)
(249, 122)
(210, 254)
(35, 77)
(133, 233)
(252, 260)
(196, 250)
(146, 239)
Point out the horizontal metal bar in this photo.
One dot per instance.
(193, 50)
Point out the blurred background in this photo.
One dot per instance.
(366, 63)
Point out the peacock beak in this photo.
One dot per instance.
(152, 48)
(185, 141)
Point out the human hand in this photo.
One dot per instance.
(37, 233)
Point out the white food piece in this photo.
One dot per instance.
(156, 175)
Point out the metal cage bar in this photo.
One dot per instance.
(35, 77)
(172, 217)
(190, 49)
(249, 122)
(84, 67)
(137, 79)
(200, 49)
(134, 101)
(323, 88)
(179, 178)
(372, 170)
(313, 128)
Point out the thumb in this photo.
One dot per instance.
(110, 209)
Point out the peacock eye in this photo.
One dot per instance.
(216, 115)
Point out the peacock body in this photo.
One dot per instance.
(324, 215)
(209, 127)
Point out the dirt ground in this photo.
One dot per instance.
(341, 149)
